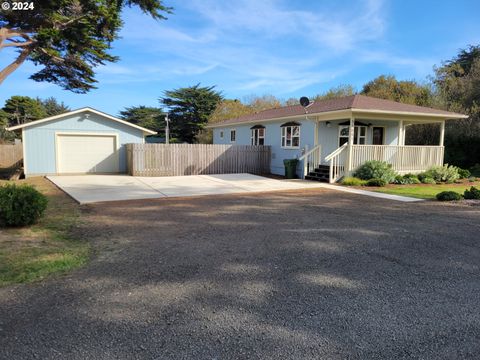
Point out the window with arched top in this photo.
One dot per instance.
(257, 136)
(291, 135)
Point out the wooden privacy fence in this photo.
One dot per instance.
(196, 159)
(11, 156)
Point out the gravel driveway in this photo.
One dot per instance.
(311, 274)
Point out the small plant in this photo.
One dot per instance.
(428, 180)
(443, 173)
(463, 173)
(448, 196)
(376, 170)
(472, 179)
(352, 181)
(376, 182)
(21, 205)
(473, 193)
(406, 179)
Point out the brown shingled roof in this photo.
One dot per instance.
(356, 102)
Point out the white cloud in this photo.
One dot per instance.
(265, 46)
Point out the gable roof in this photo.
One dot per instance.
(354, 102)
(79, 111)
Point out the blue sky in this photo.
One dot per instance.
(285, 48)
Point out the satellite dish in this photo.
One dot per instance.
(304, 101)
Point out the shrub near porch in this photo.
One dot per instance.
(426, 191)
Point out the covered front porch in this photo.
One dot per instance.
(342, 145)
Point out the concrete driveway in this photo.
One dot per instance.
(98, 188)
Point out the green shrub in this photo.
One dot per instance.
(21, 205)
(473, 193)
(448, 196)
(410, 179)
(352, 181)
(398, 180)
(443, 173)
(376, 170)
(428, 180)
(472, 179)
(463, 173)
(376, 182)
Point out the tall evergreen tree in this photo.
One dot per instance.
(148, 117)
(189, 110)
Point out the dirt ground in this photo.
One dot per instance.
(305, 274)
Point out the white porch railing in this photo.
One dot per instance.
(404, 159)
(311, 159)
(337, 162)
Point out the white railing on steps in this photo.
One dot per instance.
(311, 159)
(337, 162)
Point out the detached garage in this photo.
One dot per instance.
(84, 141)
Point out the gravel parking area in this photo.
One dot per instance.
(309, 274)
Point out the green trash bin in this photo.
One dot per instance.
(290, 168)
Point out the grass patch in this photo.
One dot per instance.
(426, 191)
(35, 252)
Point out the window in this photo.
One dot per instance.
(291, 135)
(221, 134)
(257, 135)
(359, 135)
(233, 135)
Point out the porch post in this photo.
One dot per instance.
(442, 132)
(351, 134)
(400, 140)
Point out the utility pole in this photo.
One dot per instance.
(167, 130)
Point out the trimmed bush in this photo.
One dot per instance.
(463, 173)
(428, 180)
(376, 182)
(448, 196)
(398, 180)
(443, 173)
(376, 170)
(406, 179)
(352, 181)
(21, 205)
(473, 193)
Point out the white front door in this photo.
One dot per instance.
(87, 153)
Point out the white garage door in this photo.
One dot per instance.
(87, 154)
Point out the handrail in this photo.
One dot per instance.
(311, 159)
(309, 152)
(335, 152)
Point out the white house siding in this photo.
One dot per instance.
(39, 140)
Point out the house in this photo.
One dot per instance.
(332, 138)
(78, 142)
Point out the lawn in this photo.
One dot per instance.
(425, 191)
(34, 252)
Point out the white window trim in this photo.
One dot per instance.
(252, 136)
(340, 127)
(284, 136)
(231, 131)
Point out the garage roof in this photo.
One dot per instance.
(79, 111)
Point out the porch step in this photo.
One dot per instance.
(321, 173)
